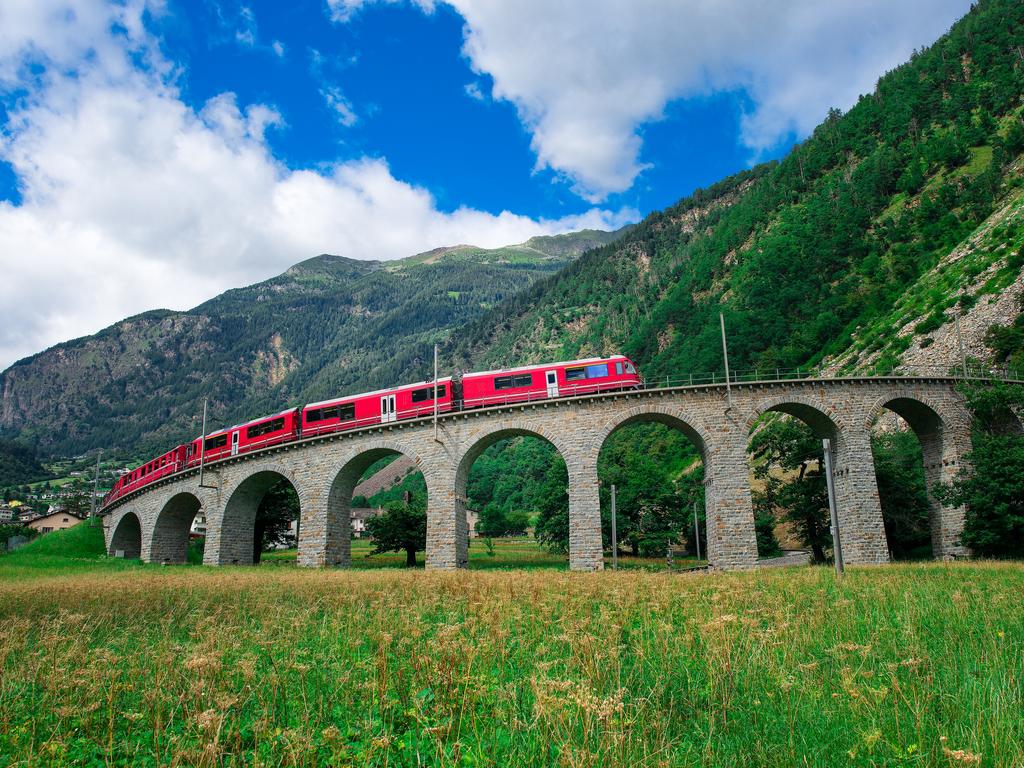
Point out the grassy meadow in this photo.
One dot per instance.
(111, 663)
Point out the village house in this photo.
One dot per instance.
(55, 521)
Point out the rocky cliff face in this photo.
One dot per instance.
(945, 317)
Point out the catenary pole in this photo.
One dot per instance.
(202, 445)
(615, 541)
(725, 355)
(95, 484)
(837, 546)
(696, 529)
(960, 342)
(435, 395)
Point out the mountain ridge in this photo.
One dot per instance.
(325, 325)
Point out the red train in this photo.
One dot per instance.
(472, 390)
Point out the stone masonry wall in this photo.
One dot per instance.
(325, 470)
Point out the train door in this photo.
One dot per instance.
(234, 443)
(552, 379)
(387, 409)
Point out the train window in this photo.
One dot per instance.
(512, 382)
(421, 395)
(215, 442)
(618, 369)
(629, 368)
(597, 371)
(345, 412)
(265, 428)
(575, 374)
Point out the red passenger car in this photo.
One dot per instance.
(167, 464)
(241, 438)
(476, 390)
(378, 407)
(540, 382)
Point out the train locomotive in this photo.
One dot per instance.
(505, 386)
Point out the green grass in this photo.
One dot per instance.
(509, 553)
(61, 552)
(911, 665)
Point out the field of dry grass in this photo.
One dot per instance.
(903, 665)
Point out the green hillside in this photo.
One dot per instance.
(805, 255)
(19, 464)
(326, 326)
(858, 249)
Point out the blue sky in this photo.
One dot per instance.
(154, 153)
(403, 73)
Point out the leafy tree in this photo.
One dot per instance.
(991, 485)
(8, 530)
(274, 517)
(78, 502)
(402, 527)
(787, 446)
(903, 494)
(494, 521)
(19, 464)
(360, 501)
(656, 472)
(764, 529)
(552, 528)
(661, 516)
(992, 491)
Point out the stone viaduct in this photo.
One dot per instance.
(153, 523)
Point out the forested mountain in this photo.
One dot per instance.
(19, 464)
(860, 244)
(857, 248)
(326, 326)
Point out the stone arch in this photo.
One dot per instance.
(585, 546)
(676, 419)
(327, 530)
(236, 528)
(944, 435)
(127, 538)
(821, 417)
(858, 508)
(169, 542)
(660, 414)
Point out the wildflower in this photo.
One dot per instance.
(209, 720)
(959, 756)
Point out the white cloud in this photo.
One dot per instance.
(247, 34)
(340, 105)
(278, 48)
(585, 75)
(132, 200)
(343, 10)
(474, 92)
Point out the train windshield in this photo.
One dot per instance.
(630, 368)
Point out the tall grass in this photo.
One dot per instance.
(904, 665)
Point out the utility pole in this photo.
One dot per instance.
(837, 547)
(436, 440)
(960, 341)
(615, 542)
(95, 484)
(696, 530)
(202, 446)
(725, 355)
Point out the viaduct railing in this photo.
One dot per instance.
(967, 373)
